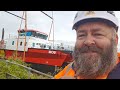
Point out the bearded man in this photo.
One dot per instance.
(95, 52)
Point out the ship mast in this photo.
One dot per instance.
(18, 34)
(25, 29)
(25, 35)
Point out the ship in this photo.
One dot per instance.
(34, 47)
(39, 51)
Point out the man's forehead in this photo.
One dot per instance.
(94, 26)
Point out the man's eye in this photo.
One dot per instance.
(82, 35)
(97, 34)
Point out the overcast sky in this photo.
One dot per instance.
(63, 21)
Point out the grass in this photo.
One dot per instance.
(17, 71)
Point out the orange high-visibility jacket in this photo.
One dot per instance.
(119, 55)
(68, 71)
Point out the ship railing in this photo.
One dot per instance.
(8, 75)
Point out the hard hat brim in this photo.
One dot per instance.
(110, 23)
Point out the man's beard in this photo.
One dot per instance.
(91, 66)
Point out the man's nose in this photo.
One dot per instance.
(89, 41)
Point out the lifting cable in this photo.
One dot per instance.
(14, 15)
(52, 26)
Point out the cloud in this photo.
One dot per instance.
(65, 36)
(9, 22)
(35, 20)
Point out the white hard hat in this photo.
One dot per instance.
(91, 16)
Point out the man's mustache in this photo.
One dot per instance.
(85, 49)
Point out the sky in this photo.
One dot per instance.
(63, 21)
